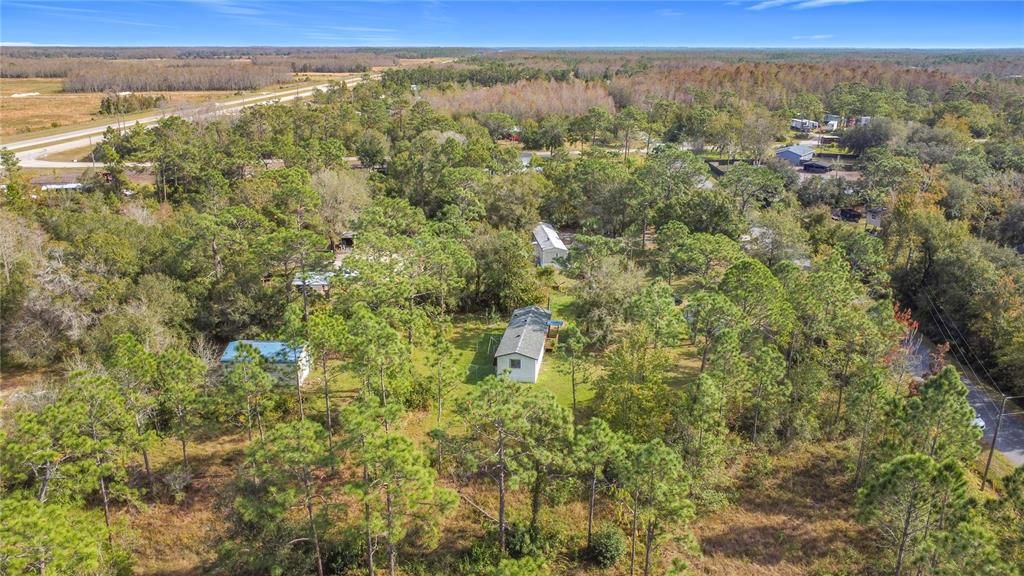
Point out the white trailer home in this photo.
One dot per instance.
(803, 124)
(521, 350)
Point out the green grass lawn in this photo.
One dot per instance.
(474, 339)
(832, 149)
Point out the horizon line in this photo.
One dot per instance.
(514, 47)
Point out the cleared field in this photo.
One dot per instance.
(53, 109)
(43, 106)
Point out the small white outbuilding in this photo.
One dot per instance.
(547, 246)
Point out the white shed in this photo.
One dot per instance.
(521, 350)
(547, 246)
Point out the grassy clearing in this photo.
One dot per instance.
(177, 538)
(1001, 467)
(788, 514)
(53, 110)
(82, 154)
(791, 514)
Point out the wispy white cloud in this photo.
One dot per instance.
(86, 14)
(670, 13)
(800, 4)
(231, 7)
(813, 37)
(53, 8)
(822, 3)
(765, 4)
(365, 29)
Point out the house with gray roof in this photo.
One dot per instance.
(796, 155)
(521, 350)
(547, 246)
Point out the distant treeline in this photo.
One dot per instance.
(127, 103)
(477, 73)
(342, 62)
(607, 63)
(525, 99)
(148, 69)
(154, 76)
(206, 53)
(533, 85)
(771, 83)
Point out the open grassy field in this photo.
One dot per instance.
(52, 108)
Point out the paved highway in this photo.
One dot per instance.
(985, 402)
(32, 152)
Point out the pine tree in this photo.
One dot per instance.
(596, 448)
(135, 370)
(659, 488)
(286, 462)
(179, 375)
(247, 391)
(494, 419)
(327, 337)
(398, 489)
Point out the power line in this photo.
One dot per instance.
(969, 347)
(940, 324)
(947, 334)
(962, 344)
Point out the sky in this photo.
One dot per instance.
(708, 23)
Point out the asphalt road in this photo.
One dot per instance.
(32, 152)
(985, 402)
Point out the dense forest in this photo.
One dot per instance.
(720, 321)
(156, 69)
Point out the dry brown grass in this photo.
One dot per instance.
(50, 109)
(177, 539)
(794, 518)
(53, 108)
(797, 519)
(14, 382)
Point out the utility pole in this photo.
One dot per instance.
(995, 435)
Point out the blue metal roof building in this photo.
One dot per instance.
(286, 362)
(271, 351)
(796, 155)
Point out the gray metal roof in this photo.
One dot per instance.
(547, 237)
(525, 333)
(798, 149)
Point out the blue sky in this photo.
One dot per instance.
(709, 23)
